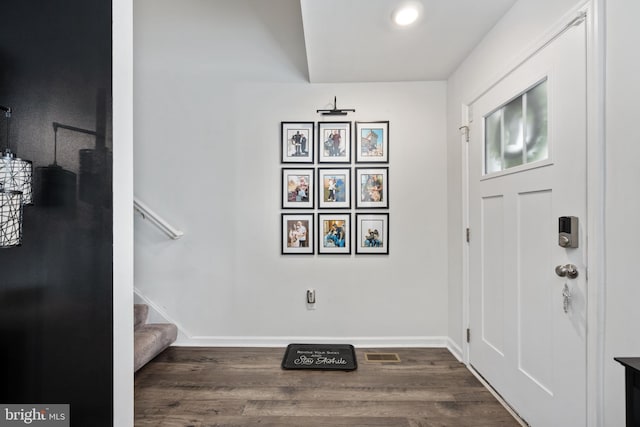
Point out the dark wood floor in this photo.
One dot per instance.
(244, 387)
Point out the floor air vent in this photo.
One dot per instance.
(382, 357)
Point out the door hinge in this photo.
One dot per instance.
(468, 234)
(468, 334)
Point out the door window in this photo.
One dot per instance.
(516, 133)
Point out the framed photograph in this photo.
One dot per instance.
(297, 234)
(334, 233)
(372, 142)
(372, 233)
(297, 142)
(334, 188)
(297, 188)
(372, 187)
(334, 142)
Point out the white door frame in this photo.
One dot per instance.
(595, 22)
(123, 381)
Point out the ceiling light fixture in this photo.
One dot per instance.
(15, 173)
(10, 218)
(406, 14)
(15, 182)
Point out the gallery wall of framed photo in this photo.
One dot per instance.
(335, 188)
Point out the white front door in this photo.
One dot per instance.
(527, 168)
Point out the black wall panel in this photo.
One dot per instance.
(56, 328)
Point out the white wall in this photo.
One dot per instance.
(516, 33)
(623, 199)
(213, 81)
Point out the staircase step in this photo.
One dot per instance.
(151, 339)
(140, 315)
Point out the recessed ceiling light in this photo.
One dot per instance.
(406, 15)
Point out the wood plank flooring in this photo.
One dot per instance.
(244, 387)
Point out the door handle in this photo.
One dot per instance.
(570, 271)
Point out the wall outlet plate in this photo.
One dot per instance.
(311, 296)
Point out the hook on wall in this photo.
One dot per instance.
(465, 131)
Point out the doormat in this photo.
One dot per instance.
(336, 357)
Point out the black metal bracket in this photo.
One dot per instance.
(336, 111)
(57, 126)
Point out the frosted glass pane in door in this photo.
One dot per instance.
(510, 138)
(493, 142)
(536, 127)
(513, 134)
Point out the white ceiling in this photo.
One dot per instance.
(356, 41)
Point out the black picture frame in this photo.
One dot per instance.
(371, 142)
(334, 233)
(372, 188)
(295, 241)
(297, 187)
(332, 149)
(372, 233)
(294, 149)
(334, 188)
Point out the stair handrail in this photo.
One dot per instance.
(147, 213)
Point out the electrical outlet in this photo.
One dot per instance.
(311, 296)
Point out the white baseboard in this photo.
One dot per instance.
(360, 342)
(454, 349)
